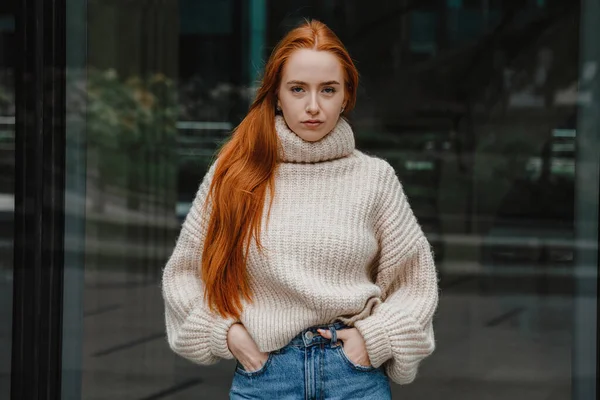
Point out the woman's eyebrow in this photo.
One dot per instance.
(304, 83)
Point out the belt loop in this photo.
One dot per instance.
(333, 335)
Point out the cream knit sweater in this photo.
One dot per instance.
(342, 243)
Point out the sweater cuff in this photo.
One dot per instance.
(377, 340)
(390, 332)
(218, 337)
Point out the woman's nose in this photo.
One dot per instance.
(313, 106)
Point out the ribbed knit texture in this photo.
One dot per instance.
(342, 243)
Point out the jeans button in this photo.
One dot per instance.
(309, 335)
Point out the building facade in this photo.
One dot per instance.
(111, 111)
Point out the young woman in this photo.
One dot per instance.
(301, 257)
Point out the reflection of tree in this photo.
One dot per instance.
(201, 100)
(131, 132)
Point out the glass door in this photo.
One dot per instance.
(153, 89)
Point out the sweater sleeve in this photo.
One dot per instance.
(399, 331)
(193, 331)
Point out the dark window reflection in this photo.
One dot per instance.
(7, 176)
(474, 103)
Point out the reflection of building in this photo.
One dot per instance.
(482, 106)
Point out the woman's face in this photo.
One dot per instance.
(311, 94)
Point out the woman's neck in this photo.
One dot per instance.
(336, 144)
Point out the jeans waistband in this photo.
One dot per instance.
(310, 337)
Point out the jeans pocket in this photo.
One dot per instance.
(350, 363)
(239, 368)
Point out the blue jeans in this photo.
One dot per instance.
(311, 367)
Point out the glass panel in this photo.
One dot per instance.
(7, 182)
(146, 110)
(484, 108)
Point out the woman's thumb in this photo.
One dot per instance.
(326, 333)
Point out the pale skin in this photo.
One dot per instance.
(311, 97)
(311, 89)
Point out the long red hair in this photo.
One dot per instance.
(246, 169)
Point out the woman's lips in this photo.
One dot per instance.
(312, 124)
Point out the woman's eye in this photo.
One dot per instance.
(297, 89)
(329, 90)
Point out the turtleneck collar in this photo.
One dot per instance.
(336, 144)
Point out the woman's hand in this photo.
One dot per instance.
(354, 345)
(244, 349)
